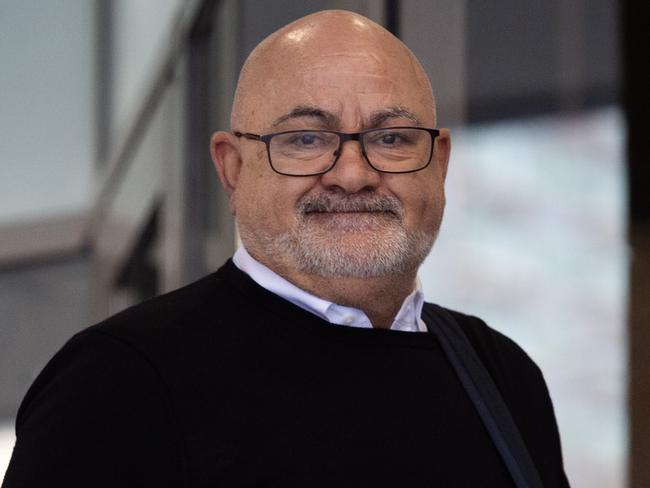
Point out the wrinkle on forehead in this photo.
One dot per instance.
(351, 79)
(316, 44)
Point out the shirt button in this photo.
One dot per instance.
(348, 320)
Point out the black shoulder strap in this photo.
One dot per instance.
(484, 395)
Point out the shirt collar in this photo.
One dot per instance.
(407, 319)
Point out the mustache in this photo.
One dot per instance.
(337, 202)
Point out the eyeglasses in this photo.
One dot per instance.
(314, 152)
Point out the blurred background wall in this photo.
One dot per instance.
(108, 197)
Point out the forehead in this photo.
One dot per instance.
(350, 81)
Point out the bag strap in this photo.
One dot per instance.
(484, 394)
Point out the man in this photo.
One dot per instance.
(304, 361)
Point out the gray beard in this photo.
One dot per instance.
(374, 243)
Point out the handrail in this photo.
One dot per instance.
(121, 155)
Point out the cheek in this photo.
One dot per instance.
(424, 201)
(267, 200)
(429, 208)
(251, 193)
(257, 202)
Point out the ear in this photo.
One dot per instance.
(442, 151)
(226, 157)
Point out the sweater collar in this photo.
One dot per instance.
(407, 319)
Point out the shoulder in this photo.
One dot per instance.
(96, 406)
(138, 345)
(110, 394)
(518, 378)
(91, 363)
(176, 309)
(503, 357)
(522, 385)
(105, 399)
(181, 318)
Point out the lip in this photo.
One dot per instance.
(350, 215)
(346, 223)
(343, 212)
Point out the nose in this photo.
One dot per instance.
(351, 173)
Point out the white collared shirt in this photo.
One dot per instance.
(407, 319)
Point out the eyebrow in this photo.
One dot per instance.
(330, 120)
(327, 118)
(379, 117)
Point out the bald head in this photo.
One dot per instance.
(321, 41)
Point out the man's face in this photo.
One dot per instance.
(351, 221)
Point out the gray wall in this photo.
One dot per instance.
(46, 114)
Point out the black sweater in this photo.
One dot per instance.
(225, 384)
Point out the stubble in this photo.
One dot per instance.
(352, 236)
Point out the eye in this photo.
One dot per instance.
(394, 138)
(307, 139)
(304, 143)
(389, 138)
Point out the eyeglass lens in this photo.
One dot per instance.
(389, 150)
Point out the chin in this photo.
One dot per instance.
(360, 254)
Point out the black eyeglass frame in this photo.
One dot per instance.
(343, 138)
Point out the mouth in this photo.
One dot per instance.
(325, 212)
(351, 215)
(351, 222)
